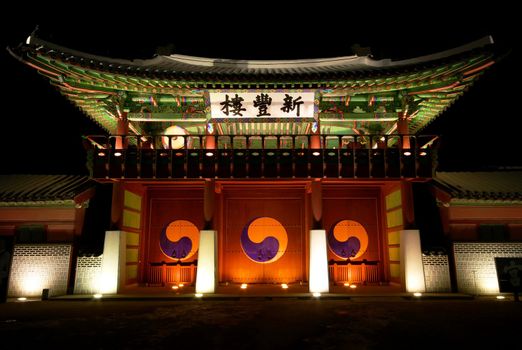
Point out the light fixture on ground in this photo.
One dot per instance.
(417, 294)
(316, 294)
(284, 286)
(22, 299)
(501, 297)
(175, 287)
(244, 286)
(346, 284)
(181, 285)
(198, 295)
(97, 296)
(353, 286)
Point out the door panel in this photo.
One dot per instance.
(238, 213)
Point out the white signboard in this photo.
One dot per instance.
(262, 105)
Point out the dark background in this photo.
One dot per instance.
(40, 130)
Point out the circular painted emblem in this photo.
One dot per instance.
(264, 240)
(179, 239)
(348, 239)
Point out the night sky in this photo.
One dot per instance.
(41, 129)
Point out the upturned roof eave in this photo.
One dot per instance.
(230, 67)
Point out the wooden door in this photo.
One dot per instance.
(275, 211)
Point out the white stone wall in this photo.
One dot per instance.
(436, 273)
(88, 271)
(39, 266)
(475, 265)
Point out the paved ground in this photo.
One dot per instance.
(257, 323)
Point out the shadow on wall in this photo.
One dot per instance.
(97, 221)
(6, 252)
(427, 218)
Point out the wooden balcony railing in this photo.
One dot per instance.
(278, 156)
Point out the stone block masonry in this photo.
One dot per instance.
(88, 272)
(39, 266)
(436, 273)
(475, 265)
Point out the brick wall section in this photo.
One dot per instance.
(475, 265)
(38, 266)
(436, 273)
(88, 269)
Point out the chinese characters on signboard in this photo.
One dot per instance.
(261, 105)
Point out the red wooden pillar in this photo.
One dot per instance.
(209, 204)
(122, 128)
(317, 204)
(117, 205)
(402, 129)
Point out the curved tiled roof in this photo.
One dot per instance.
(42, 188)
(176, 85)
(496, 185)
(203, 66)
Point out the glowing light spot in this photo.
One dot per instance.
(177, 137)
(97, 296)
(353, 286)
(32, 282)
(346, 284)
(198, 295)
(501, 297)
(175, 287)
(244, 286)
(417, 294)
(22, 299)
(316, 295)
(284, 286)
